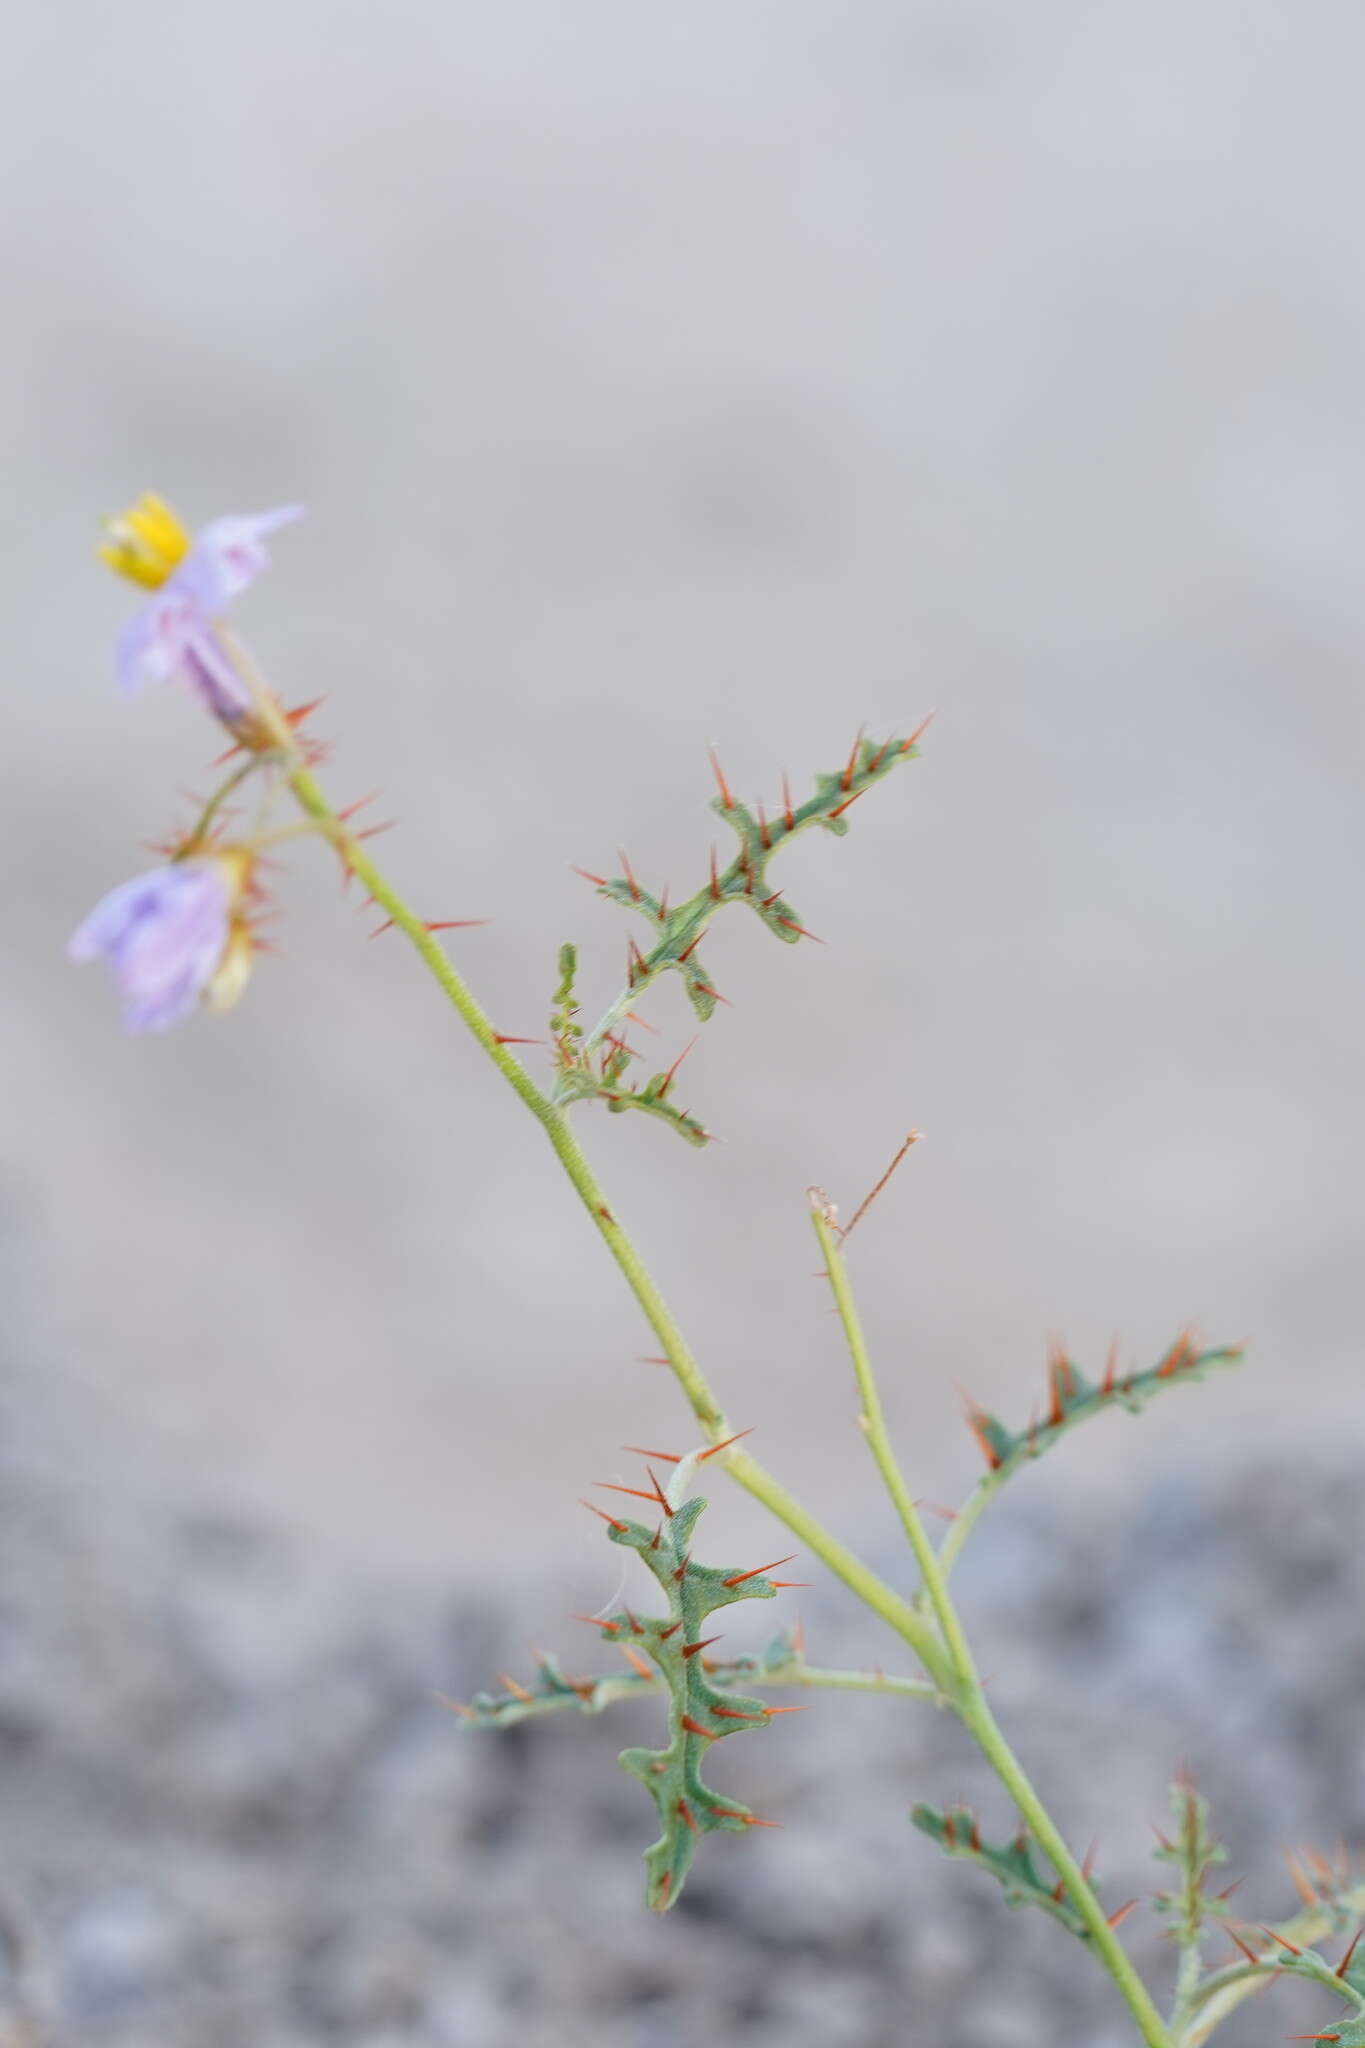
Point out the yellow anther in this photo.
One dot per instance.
(147, 544)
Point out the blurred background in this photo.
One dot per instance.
(659, 377)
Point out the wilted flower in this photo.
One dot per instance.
(193, 580)
(174, 938)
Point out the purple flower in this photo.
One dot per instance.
(172, 636)
(192, 580)
(164, 936)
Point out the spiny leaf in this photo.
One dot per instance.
(1073, 1399)
(1194, 1852)
(700, 1711)
(957, 1833)
(586, 1072)
(549, 1690)
(650, 1100)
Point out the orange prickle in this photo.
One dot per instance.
(721, 783)
(726, 1442)
(758, 1570)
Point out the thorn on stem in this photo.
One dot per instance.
(344, 817)
(725, 1443)
(302, 711)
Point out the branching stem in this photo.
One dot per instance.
(967, 1698)
(943, 1650)
(873, 1424)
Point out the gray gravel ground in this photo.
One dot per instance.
(233, 1813)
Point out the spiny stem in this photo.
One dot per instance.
(982, 1725)
(825, 1680)
(966, 1697)
(965, 1520)
(305, 787)
(195, 836)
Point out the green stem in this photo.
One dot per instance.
(305, 788)
(982, 1725)
(1187, 1983)
(967, 1698)
(965, 1520)
(873, 1423)
(196, 835)
(825, 1680)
